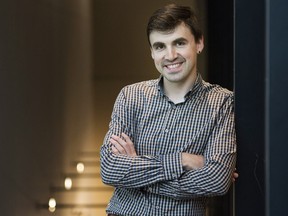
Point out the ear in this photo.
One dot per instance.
(152, 53)
(200, 44)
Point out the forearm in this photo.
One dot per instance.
(212, 180)
(139, 171)
(192, 161)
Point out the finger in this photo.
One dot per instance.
(128, 145)
(125, 145)
(114, 149)
(118, 146)
(121, 144)
(235, 175)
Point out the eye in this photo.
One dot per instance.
(180, 43)
(158, 46)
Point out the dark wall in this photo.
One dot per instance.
(220, 42)
(219, 45)
(31, 105)
(277, 110)
(38, 62)
(261, 106)
(250, 106)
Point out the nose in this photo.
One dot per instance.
(171, 53)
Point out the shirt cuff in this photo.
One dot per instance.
(172, 166)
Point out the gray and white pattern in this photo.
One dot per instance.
(154, 182)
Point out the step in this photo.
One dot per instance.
(82, 182)
(70, 210)
(83, 197)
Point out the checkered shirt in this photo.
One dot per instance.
(154, 182)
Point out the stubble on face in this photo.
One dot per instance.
(176, 61)
(174, 71)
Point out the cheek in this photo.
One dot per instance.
(158, 63)
(158, 66)
(157, 59)
(190, 56)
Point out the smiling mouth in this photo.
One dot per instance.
(174, 67)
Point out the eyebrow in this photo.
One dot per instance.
(181, 39)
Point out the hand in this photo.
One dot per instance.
(235, 175)
(192, 161)
(123, 145)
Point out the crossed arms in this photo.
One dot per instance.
(179, 175)
(124, 146)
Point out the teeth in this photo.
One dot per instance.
(173, 66)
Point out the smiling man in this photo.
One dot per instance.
(175, 56)
(171, 142)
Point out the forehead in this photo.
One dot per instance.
(181, 31)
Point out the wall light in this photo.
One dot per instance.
(52, 205)
(68, 183)
(80, 167)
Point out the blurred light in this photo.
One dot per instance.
(68, 183)
(52, 209)
(52, 205)
(80, 167)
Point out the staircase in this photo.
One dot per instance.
(88, 196)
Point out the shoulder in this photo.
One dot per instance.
(217, 95)
(148, 87)
(135, 96)
(216, 90)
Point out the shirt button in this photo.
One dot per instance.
(166, 130)
(174, 175)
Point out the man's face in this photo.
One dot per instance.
(175, 54)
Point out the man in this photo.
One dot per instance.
(171, 142)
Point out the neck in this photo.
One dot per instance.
(176, 91)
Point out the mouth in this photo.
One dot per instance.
(175, 67)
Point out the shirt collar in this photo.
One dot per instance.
(196, 86)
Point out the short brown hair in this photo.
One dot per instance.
(170, 16)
